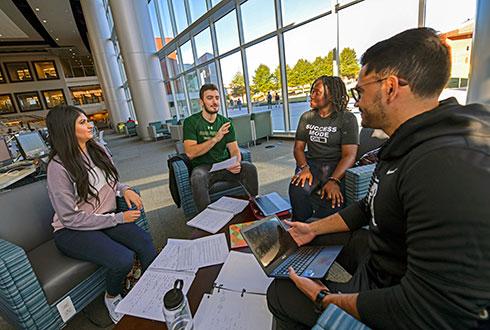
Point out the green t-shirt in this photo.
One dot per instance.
(198, 129)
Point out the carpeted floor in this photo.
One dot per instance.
(144, 165)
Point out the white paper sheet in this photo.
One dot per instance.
(226, 310)
(224, 164)
(210, 250)
(210, 220)
(242, 271)
(192, 254)
(229, 204)
(146, 298)
(176, 255)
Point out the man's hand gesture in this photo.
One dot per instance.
(223, 130)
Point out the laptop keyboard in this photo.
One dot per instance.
(267, 205)
(299, 261)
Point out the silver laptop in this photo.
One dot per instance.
(269, 204)
(275, 250)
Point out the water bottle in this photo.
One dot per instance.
(176, 309)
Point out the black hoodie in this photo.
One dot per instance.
(428, 211)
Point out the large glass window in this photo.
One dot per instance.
(204, 47)
(233, 84)
(18, 71)
(180, 15)
(294, 11)
(456, 28)
(207, 75)
(309, 54)
(28, 101)
(86, 94)
(45, 70)
(173, 64)
(258, 17)
(180, 97)
(157, 37)
(187, 56)
(227, 32)
(53, 97)
(198, 8)
(192, 84)
(358, 34)
(265, 80)
(165, 19)
(6, 104)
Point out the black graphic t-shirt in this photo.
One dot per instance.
(324, 137)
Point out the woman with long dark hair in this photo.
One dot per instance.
(331, 134)
(83, 184)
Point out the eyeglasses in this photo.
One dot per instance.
(356, 93)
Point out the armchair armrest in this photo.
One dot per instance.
(246, 154)
(121, 206)
(357, 182)
(336, 318)
(21, 296)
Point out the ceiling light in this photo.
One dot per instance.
(1, 35)
(44, 21)
(37, 9)
(57, 39)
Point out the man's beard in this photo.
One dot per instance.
(376, 116)
(211, 112)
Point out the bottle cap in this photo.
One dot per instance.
(174, 297)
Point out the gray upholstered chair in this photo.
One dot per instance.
(34, 275)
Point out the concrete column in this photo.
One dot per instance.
(136, 40)
(105, 59)
(479, 86)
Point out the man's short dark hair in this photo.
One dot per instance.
(417, 55)
(207, 87)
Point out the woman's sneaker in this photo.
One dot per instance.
(111, 304)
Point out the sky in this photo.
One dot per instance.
(360, 26)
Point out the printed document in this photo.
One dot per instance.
(190, 255)
(210, 220)
(224, 164)
(146, 298)
(226, 310)
(229, 204)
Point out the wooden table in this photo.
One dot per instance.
(203, 282)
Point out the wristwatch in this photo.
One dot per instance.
(319, 299)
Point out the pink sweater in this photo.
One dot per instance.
(82, 216)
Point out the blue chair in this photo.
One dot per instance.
(218, 190)
(157, 129)
(130, 129)
(34, 275)
(334, 318)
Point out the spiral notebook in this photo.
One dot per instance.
(238, 300)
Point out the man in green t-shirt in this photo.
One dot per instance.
(210, 138)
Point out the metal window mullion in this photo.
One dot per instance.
(173, 22)
(186, 95)
(282, 67)
(159, 22)
(244, 56)
(187, 13)
(217, 64)
(422, 13)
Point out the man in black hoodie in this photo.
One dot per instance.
(425, 261)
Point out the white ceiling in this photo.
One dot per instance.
(57, 19)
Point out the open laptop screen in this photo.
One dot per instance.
(32, 145)
(269, 241)
(5, 158)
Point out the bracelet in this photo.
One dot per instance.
(337, 181)
(302, 167)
